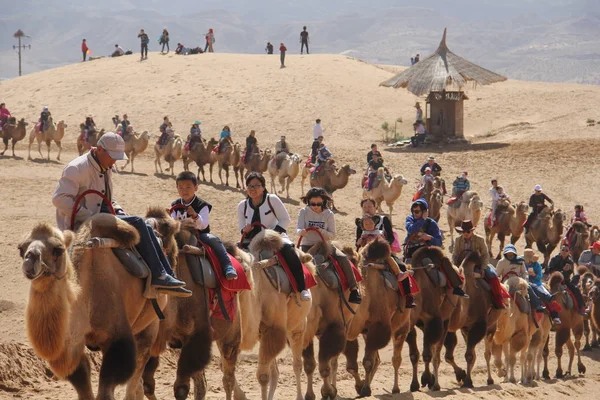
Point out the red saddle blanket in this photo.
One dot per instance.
(452, 200)
(414, 286)
(309, 279)
(489, 222)
(342, 275)
(38, 127)
(416, 196)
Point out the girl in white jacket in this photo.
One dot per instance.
(268, 210)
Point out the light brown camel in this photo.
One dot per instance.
(190, 325)
(469, 209)
(200, 153)
(328, 320)
(135, 144)
(272, 318)
(228, 155)
(381, 316)
(88, 299)
(594, 234)
(512, 335)
(15, 131)
(92, 139)
(171, 151)
(256, 163)
(53, 133)
(579, 240)
(586, 284)
(572, 322)
(474, 317)
(594, 297)
(546, 231)
(286, 173)
(332, 178)
(435, 204)
(509, 221)
(386, 191)
(536, 351)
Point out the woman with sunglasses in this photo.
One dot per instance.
(260, 207)
(316, 214)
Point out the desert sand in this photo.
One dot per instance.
(522, 133)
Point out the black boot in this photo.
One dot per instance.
(459, 292)
(410, 302)
(355, 297)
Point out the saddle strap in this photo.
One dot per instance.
(341, 291)
(222, 303)
(157, 309)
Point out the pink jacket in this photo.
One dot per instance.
(4, 113)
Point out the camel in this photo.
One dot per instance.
(286, 173)
(200, 153)
(329, 318)
(386, 191)
(509, 221)
(88, 298)
(171, 151)
(134, 145)
(381, 317)
(92, 140)
(15, 131)
(572, 321)
(435, 204)
(546, 231)
(228, 155)
(594, 296)
(53, 133)
(469, 209)
(580, 239)
(272, 317)
(474, 316)
(190, 324)
(332, 178)
(594, 234)
(257, 163)
(512, 335)
(586, 283)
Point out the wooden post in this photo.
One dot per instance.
(18, 35)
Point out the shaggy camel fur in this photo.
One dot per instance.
(586, 284)
(594, 296)
(272, 318)
(172, 152)
(256, 164)
(88, 299)
(201, 155)
(15, 131)
(189, 325)
(512, 335)
(386, 191)
(546, 231)
(381, 317)
(135, 145)
(229, 155)
(54, 133)
(509, 221)
(290, 167)
(331, 178)
(572, 321)
(93, 137)
(328, 320)
(474, 316)
(594, 234)
(469, 210)
(580, 239)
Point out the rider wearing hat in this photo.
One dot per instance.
(537, 202)
(591, 258)
(44, 118)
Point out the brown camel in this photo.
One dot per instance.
(386, 191)
(381, 317)
(435, 204)
(546, 231)
(256, 164)
(200, 153)
(171, 151)
(228, 155)
(512, 335)
(286, 173)
(53, 133)
(332, 178)
(474, 317)
(190, 325)
(92, 139)
(580, 239)
(88, 299)
(594, 234)
(509, 221)
(135, 144)
(15, 131)
(328, 320)
(586, 283)
(594, 297)
(272, 317)
(572, 321)
(469, 209)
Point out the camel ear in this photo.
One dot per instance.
(69, 236)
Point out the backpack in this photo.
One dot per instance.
(268, 203)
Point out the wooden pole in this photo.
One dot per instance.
(19, 55)
(18, 35)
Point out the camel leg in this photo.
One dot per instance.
(6, 147)
(59, 144)
(562, 335)
(488, 356)
(40, 148)
(473, 337)
(273, 340)
(144, 341)
(126, 163)
(512, 360)
(308, 355)
(194, 357)
(295, 342)
(227, 176)
(351, 354)
(81, 379)
(48, 145)
(148, 377)
(450, 344)
(331, 344)
(545, 353)
(31, 139)
(411, 339)
(229, 354)
(523, 359)
(437, 360)
(132, 159)
(13, 148)
(287, 187)
(172, 167)
(118, 365)
(200, 385)
(577, 332)
(498, 351)
(210, 169)
(397, 358)
(586, 333)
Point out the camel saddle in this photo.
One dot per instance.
(437, 277)
(280, 276)
(330, 271)
(133, 262)
(568, 297)
(522, 303)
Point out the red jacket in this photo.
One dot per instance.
(84, 47)
(282, 48)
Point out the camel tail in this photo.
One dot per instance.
(195, 354)
(433, 330)
(119, 362)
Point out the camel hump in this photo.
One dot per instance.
(108, 226)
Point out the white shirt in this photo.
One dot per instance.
(317, 131)
(495, 196)
(420, 129)
(278, 217)
(120, 50)
(324, 221)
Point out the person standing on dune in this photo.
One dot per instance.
(84, 49)
(144, 43)
(282, 49)
(304, 40)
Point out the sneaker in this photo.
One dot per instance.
(305, 295)
(166, 282)
(410, 302)
(230, 273)
(540, 309)
(459, 292)
(355, 297)
(175, 292)
(556, 321)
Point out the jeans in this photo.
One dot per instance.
(84, 55)
(533, 298)
(148, 247)
(163, 46)
(217, 246)
(291, 257)
(145, 50)
(282, 57)
(304, 43)
(206, 47)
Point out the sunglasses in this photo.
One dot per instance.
(316, 204)
(254, 187)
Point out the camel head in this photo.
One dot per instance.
(296, 158)
(476, 204)
(381, 173)
(594, 292)
(347, 170)
(503, 203)
(167, 228)
(523, 207)
(23, 123)
(400, 180)
(44, 252)
(559, 217)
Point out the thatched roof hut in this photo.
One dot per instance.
(441, 70)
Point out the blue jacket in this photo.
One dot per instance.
(225, 134)
(537, 268)
(461, 185)
(324, 154)
(413, 226)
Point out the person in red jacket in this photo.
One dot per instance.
(84, 49)
(282, 49)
